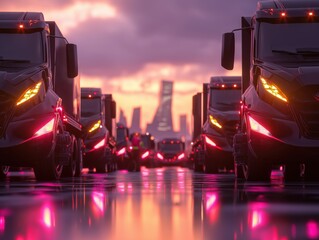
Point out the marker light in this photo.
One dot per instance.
(146, 154)
(210, 142)
(29, 93)
(95, 126)
(214, 121)
(283, 14)
(100, 144)
(121, 151)
(48, 127)
(273, 90)
(310, 14)
(257, 127)
(160, 156)
(181, 156)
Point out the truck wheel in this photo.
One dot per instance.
(69, 170)
(4, 171)
(79, 158)
(48, 169)
(292, 172)
(256, 169)
(240, 154)
(210, 164)
(102, 166)
(312, 171)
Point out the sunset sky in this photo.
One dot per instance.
(127, 47)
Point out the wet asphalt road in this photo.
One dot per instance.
(163, 203)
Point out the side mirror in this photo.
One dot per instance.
(72, 60)
(228, 50)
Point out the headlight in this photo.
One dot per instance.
(273, 89)
(30, 93)
(95, 126)
(214, 121)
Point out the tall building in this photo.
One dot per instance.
(136, 120)
(184, 129)
(162, 125)
(122, 118)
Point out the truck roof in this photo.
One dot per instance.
(11, 16)
(91, 92)
(285, 4)
(225, 82)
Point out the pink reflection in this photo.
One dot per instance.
(98, 199)
(312, 230)
(257, 216)
(212, 207)
(48, 217)
(2, 223)
(211, 200)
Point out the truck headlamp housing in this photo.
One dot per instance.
(31, 93)
(95, 126)
(213, 121)
(273, 89)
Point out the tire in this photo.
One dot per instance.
(50, 168)
(210, 164)
(4, 171)
(69, 170)
(79, 158)
(312, 171)
(102, 166)
(239, 154)
(256, 169)
(292, 172)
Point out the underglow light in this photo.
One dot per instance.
(159, 156)
(2, 223)
(146, 154)
(210, 142)
(181, 156)
(273, 90)
(48, 127)
(29, 93)
(122, 151)
(100, 144)
(257, 127)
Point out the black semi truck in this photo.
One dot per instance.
(218, 105)
(280, 90)
(39, 98)
(97, 114)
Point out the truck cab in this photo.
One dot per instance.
(99, 152)
(39, 97)
(279, 113)
(221, 105)
(171, 152)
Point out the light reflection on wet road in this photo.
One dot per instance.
(164, 203)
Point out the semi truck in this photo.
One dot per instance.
(279, 120)
(97, 113)
(215, 118)
(39, 98)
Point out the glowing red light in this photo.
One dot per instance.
(146, 154)
(257, 127)
(100, 144)
(21, 26)
(90, 96)
(235, 85)
(121, 152)
(310, 14)
(210, 142)
(181, 156)
(47, 128)
(159, 156)
(223, 86)
(283, 14)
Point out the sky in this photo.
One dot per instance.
(127, 47)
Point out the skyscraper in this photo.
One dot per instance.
(136, 120)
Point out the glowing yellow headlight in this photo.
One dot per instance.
(95, 126)
(273, 90)
(29, 93)
(214, 121)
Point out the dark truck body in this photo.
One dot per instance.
(98, 110)
(39, 97)
(280, 99)
(213, 137)
(171, 152)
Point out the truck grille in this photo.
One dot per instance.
(6, 110)
(306, 109)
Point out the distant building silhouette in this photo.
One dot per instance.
(136, 120)
(162, 125)
(184, 129)
(122, 118)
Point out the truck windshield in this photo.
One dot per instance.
(288, 42)
(170, 147)
(225, 100)
(90, 106)
(21, 48)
